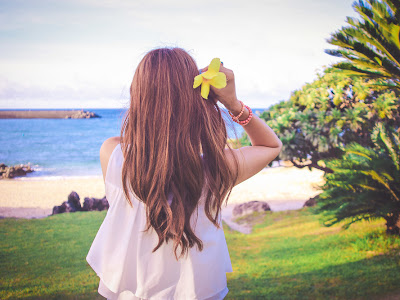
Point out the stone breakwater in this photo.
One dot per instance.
(47, 114)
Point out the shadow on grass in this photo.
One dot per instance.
(371, 278)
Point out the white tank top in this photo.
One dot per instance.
(121, 253)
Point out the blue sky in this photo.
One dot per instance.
(83, 54)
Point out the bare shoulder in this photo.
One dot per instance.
(106, 149)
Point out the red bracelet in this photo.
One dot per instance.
(245, 122)
(236, 118)
(240, 114)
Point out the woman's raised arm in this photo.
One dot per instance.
(266, 145)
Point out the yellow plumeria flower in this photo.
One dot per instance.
(212, 77)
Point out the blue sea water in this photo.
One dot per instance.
(64, 147)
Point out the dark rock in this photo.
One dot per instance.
(102, 204)
(74, 201)
(88, 204)
(95, 204)
(64, 207)
(58, 210)
(13, 171)
(73, 204)
(311, 202)
(250, 207)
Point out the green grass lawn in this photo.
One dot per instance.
(289, 255)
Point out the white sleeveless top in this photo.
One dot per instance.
(121, 253)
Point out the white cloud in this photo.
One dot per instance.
(80, 51)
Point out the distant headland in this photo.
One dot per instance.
(47, 114)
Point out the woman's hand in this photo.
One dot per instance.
(227, 95)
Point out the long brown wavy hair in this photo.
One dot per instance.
(165, 130)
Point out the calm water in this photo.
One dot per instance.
(63, 147)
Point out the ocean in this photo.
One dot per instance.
(65, 147)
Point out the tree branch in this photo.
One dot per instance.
(312, 165)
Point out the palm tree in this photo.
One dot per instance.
(371, 45)
(365, 183)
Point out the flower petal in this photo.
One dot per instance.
(219, 81)
(197, 81)
(210, 74)
(215, 64)
(205, 90)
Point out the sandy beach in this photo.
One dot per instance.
(281, 187)
(37, 196)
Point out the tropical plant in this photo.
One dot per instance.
(321, 118)
(365, 184)
(244, 140)
(371, 44)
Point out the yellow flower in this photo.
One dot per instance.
(212, 77)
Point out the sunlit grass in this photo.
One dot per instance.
(46, 258)
(289, 255)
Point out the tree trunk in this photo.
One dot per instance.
(393, 223)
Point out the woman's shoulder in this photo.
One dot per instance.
(106, 150)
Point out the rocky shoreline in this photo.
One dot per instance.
(239, 217)
(47, 114)
(14, 171)
(282, 188)
(73, 204)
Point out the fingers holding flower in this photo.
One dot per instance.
(210, 76)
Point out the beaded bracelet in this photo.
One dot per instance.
(245, 122)
(236, 118)
(239, 115)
